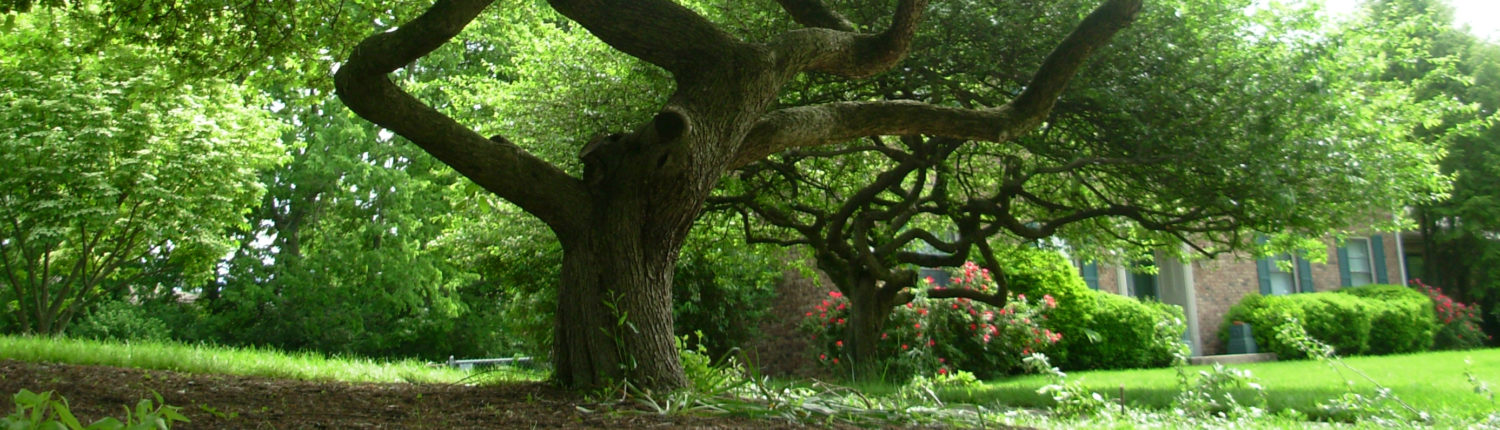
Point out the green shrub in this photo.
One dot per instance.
(1036, 273)
(722, 295)
(118, 320)
(1120, 333)
(1266, 315)
(1342, 321)
(1339, 320)
(1402, 319)
(938, 337)
(1458, 323)
(1100, 330)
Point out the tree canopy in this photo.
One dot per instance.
(114, 169)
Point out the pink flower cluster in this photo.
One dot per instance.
(941, 335)
(1451, 312)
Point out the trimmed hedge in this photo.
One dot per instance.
(1402, 319)
(1361, 320)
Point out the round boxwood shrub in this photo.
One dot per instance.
(1266, 315)
(1122, 333)
(1339, 320)
(1402, 319)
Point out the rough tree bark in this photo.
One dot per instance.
(622, 223)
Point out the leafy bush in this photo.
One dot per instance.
(118, 320)
(1266, 315)
(722, 296)
(1340, 320)
(1103, 331)
(1121, 333)
(937, 337)
(1402, 319)
(1344, 321)
(1458, 323)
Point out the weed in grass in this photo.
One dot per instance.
(1352, 406)
(216, 413)
(1069, 398)
(1212, 392)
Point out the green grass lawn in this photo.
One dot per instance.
(208, 359)
(1432, 382)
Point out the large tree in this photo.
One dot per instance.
(1207, 165)
(621, 224)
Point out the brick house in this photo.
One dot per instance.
(1206, 289)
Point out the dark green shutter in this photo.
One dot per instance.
(1344, 265)
(1263, 269)
(1304, 276)
(1090, 273)
(1263, 272)
(1377, 258)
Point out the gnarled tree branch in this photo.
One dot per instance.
(661, 32)
(497, 165)
(836, 122)
(843, 52)
(816, 14)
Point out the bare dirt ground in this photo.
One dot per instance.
(239, 402)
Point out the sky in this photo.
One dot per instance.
(1482, 16)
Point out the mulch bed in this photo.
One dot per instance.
(242, 402)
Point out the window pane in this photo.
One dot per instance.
(1359, 260)
(1281, 283)
(1357, 279)
(1283, 279)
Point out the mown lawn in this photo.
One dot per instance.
(1433, 382)
(208, 359)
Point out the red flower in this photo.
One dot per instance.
(942, 371)
(884, 335)
(839, 343)
(931, 342)
(835, 361)
(904, 347)
(917, 326)
(835, 294)
(822, 356)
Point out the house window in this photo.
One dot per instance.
(1283, 275)
(1142, 280)
(1361, 272)
(1089, 271)
(1362, 261)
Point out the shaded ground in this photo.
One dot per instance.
(239, 402)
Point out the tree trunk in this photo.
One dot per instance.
(869, 310)
(614, 314)
(614, 317)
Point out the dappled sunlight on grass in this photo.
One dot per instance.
(264, 362)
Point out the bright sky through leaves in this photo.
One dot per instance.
(1480, 15)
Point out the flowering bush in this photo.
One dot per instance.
(1458, 323)
(938, 336)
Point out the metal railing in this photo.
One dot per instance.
(470, 363)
